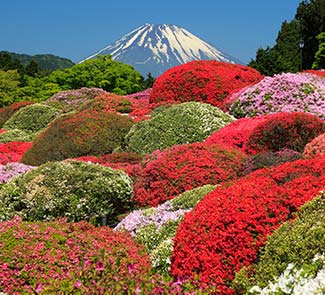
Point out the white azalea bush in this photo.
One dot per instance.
(155, 227)
(178, 124)
(73, 190)
(292, 261)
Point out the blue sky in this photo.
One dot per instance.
(77, 28)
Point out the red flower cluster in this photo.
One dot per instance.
(166, 174)
(13, 151)
(208, 81)
(224, 232)
(320, 73)
(71, 258)
(271, 132)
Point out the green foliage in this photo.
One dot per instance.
(191, 198)
(319, 62)
(284, 56)
(78, 134)
(101, 72)
(183, 123)
(295, 242)
(9, 82)
(74, 190)
(8, 111)
(16, 135)
(311, 17)
(31, 118)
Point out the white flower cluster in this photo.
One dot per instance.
(296, 282)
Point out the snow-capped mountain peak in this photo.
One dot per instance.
(156, 48)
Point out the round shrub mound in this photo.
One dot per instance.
(178, 124)
(281, 93)
(78, 134)
(108, 102)
(16, 135)
(297, 242)
(320, 73)
(12, 170)
(226, 229)
(75, 190)
(207, 81)
(70, 100)
(164, 175)
(68, 258)
(315, 148)
(8, 111)
(31, 118)
(270, 132)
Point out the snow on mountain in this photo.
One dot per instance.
(156, 48)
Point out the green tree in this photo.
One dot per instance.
(311, 17)
(148, 82)
(319, 62)
(33, 69)
(9, 82)
(102, 72)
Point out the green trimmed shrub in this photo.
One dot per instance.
(72, 189)
(295, 242)
(31, 118)
(16, 135)
(179, 124)
(8, 111)
(78, 134)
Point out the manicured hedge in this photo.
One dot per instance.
(281, 93)
(208, 81)
(31, 118)
(178, 124)
(74, 190)
(315, 148)
(226, 229)
(295, 243)
(78, 134)
(270, 132)
(164, 175)
(8, 111)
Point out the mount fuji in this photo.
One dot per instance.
(156, 48)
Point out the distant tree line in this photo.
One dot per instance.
(299, 44)
(31, 82)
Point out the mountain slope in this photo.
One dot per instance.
(46, 61)
(156, 48)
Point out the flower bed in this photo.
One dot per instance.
(227, 228)
(164, 175)
(208, 81)
(281, 93)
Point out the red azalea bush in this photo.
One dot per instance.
(166, 174)
(13, 151)
(208, 81)
(315, 148)
(271, 132)
(56, 257)
(320, 73)
(226, 229)
(8, 111)
(78, 134)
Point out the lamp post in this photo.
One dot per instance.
(301, 46)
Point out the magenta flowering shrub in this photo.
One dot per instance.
(11, 170)
(281, 93)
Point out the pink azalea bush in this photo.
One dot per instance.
(77, 258)
(315, 148)
(281, 93)
(11, 170)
